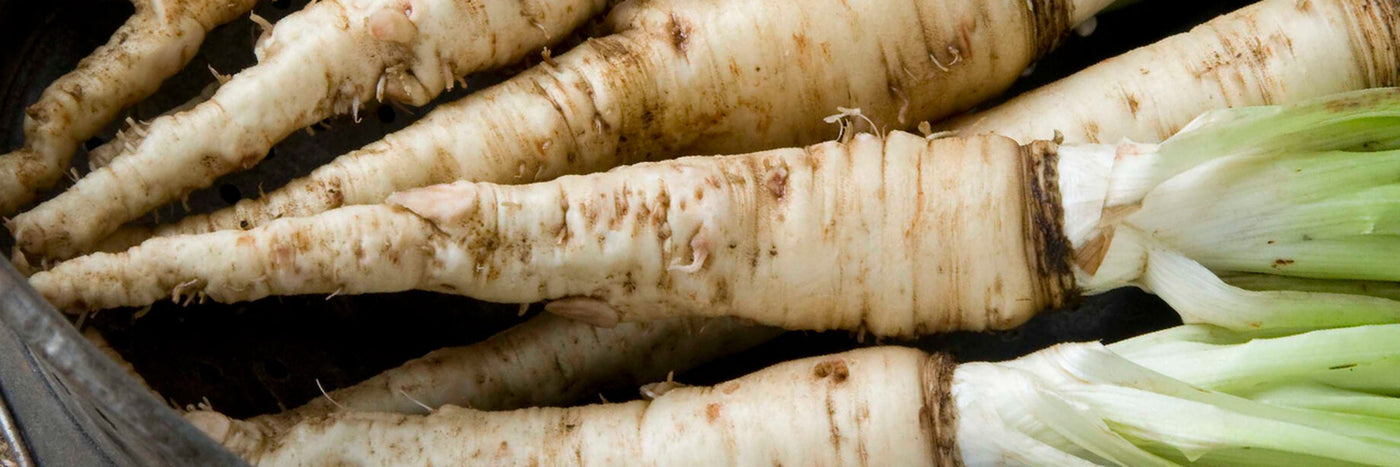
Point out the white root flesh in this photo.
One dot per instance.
(609, 101)
(1272, 52)
(157, 41)
(316, 63)
(547, 361)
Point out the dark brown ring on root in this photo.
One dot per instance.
(1377, 30)
(1050, 21)
(938, 416)
(1044, 227)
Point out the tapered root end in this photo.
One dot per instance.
(215, 425)
(55, 292)
(246, 439)
(36, 241)
(21, 263)
(21, 174)
(96, 282)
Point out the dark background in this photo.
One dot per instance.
(267, 355)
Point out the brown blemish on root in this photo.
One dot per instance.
(836, 369)
(1050, 19)
(938, 417)
(722, 295)
(680, 34)
(712, 412)
(801, 41)
(1091, 132)
(1044, 226)
(831, 422)
(777, 182)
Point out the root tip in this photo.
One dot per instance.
(213, 424)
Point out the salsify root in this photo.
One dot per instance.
(885, 234)
(710, 235)
(332, 58)
(882, 407)
(675, 78)
(1271, 52)
(374, 247)
(1139, 402)
(546, 361)
(1138, 96)
(157, 41)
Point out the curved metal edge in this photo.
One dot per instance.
(147, 431)
(19, 452)
(43, 416)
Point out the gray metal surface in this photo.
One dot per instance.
(74, 408)
(14, 452)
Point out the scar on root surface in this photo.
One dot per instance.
(585, 309)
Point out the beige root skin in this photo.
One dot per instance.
(686, 78)
(127, 138)
(547, 361)
(366, 249)
(1272, 52)
(883, 406)
(151, 46)
(885, 235)
(330, 59)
